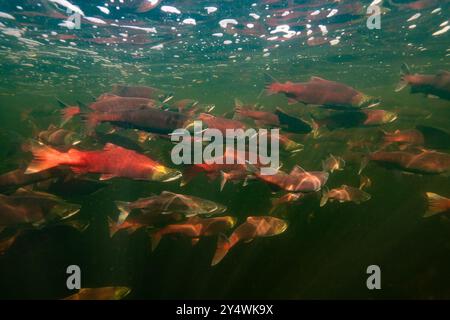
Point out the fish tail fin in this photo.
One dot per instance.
(223, 246)
(113, 227)
(325, 197)
(91, 120)
(45, 158)
(124, 208)
(404, 70)
(271, 84)
(224, 177)
(316, 127)
(436, 204)
(68, 113)
(364, 163)
(155, 239)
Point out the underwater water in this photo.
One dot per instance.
(214, 52)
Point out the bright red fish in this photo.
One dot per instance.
(112, 161)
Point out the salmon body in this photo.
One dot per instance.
(437, 85)
(59, 137)
(323, 92)
(139, 92)
(112, 161)
(298, 180)
(173, 206)
(195, 228)
(116, 103)
(413, 137)
(151, 120)
(33, 208)
(345, 194)
(219, 123)
(425, 161)
(254, 227)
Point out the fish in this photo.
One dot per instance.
(279, 118)
(194, 228)
(437, 85)
(298, 180)
(379, 117)
(344, 194)
(220, 123)
(141, 92)
(8, 241)
(184, 105)
(353, 119)
(15, 179)
(263, 118)
(219, 166)
(150, 120)
(436, 205)
(333, 163)
(59, 137)
(290, 197)
(113, 161)
(104, 293)
(169, 203)
(31, 208)
(253, 227)
(110, 103)
(406, 137)
(420, 161)
(323, 92)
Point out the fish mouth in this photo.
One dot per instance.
(165, 174)
(171, 175)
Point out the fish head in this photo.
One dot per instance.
(389, 117)
(292, 146)
(147, 5)
(367, 102)
(268, 226)
(64, 210)
(211, 207)
(231, 221)
(121, 292)
(165, 174)
(278, 226)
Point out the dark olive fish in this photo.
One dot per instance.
(169, 203)
(33, 208)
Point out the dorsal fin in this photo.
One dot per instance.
(110, 146)
(238, 103)
(318, 79)
(297, 170)
(169, 193)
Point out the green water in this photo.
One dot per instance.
(325, 251)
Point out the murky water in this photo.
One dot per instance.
(215, 52)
